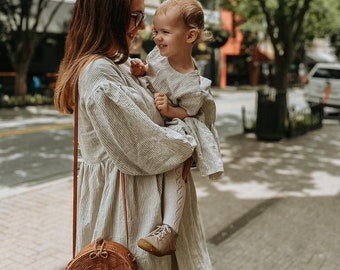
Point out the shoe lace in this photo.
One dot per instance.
(160, 231)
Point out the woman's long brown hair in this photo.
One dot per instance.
(97, 29)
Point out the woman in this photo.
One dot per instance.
(120, 130)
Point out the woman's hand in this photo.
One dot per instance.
(186, 169)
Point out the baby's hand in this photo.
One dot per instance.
(161, 102)
(137, 68)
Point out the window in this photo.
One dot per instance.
(327, 73)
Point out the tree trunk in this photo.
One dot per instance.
(23, 59)
(280, 80)
(281, 86)
(20, 83)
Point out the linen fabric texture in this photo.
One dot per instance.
(120, 130)
(191, 92)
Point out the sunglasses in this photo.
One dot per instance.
(139, 17)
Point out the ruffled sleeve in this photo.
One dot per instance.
(136, 144)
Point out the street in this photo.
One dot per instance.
(37, 143)
(36, 146)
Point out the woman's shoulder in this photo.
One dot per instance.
(99, 65)
(100, 73)
(103, 68)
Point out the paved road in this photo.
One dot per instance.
(36, 146)
(36, 142)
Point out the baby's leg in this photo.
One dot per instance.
(174, 197)
(162, 240)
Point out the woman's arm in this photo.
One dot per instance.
(136, 144)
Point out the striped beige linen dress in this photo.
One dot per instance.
(191, 92)
(120, 130)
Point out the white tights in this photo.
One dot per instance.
(174, 197)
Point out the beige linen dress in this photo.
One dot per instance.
(120, 130)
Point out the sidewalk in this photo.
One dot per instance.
(277, 208)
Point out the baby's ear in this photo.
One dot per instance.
(192, 35)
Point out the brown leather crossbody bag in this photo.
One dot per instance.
(101, 254)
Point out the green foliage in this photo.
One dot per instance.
(323, 19)
(220, 36)
(245, 8)
(27, 100)
(304, 120)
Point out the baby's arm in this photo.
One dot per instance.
(138, 68)
(161, 101)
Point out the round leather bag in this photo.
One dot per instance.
(102, 255)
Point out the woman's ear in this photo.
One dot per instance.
(192, 35)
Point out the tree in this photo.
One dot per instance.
(284, 25)
(289, 24)
(323, 21)
(22, 30)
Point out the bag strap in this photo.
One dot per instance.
(75, 173)
(122, 180)
(75, 182)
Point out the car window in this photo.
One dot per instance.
(327, 73)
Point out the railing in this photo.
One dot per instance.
(298, 121)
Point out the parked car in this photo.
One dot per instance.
(323, 85)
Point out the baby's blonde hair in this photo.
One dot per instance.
(191, 11)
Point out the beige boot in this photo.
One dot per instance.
(160, 242)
